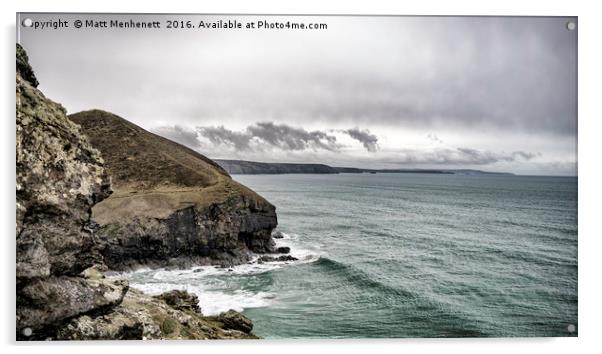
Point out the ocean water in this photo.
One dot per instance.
(404, 255)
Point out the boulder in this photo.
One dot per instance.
(283, 250)
(236, 321)
(180, 300)
(45, 303)
(285, 258)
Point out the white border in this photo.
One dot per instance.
(589, 171)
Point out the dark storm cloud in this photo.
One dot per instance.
(264, 134)
(258, 135)
(512, 74)
(480, 82)
(370, 141)
(507, 74)
(220, 135)
(291, 138)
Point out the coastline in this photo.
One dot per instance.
(65, 173)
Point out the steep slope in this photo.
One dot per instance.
(171, 206)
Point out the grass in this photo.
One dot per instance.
(153, 176)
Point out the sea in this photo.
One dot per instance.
(403, 255)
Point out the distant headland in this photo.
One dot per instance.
(241, 167)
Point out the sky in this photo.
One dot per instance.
(490, 93)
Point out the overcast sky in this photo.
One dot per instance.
(495, 94)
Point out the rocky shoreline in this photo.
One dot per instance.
(87, 205)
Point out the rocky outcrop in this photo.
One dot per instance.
(142, 317)
(236, 321)
(52, 300)
(172, 206)
(59, 176)
(283, 250)
(220, 233)
(181, 300)
(61, 292)
(285, 258)
(24, 69)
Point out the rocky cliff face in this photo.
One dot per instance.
(60, 294)
(59, 177)
(172, 206)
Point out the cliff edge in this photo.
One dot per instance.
(171, 206)
(60, 292)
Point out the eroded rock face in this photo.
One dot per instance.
(172, 206)
(23, 67)
(59, 177)
(143, 317)
(61, 291)
(52, 300)
(221, 233)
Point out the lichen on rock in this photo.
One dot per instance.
(59, 177)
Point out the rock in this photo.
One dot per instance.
(172, 206)
(23, 67)
(236, 321)
(140, 316)
(180, 300)
(283, 250)
(51, 300)
(61, 292)
(278, 234)
(93, 273)
(286, 258)
(59, 177)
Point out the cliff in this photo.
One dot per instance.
(171, 206)
(241, 167)
(60, 293)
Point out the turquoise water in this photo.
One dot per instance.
(405, 255)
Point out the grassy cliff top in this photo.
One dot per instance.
(152, 176)
(142, 160)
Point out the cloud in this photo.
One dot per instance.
(263, 135)
(258, 136)
(268, 134)
(290, 138)
(457, 156)
(511, 74)
(262, 139)
(241, 141)
(434, 138)
(182, 135)
(370, 141)
(478, 82)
